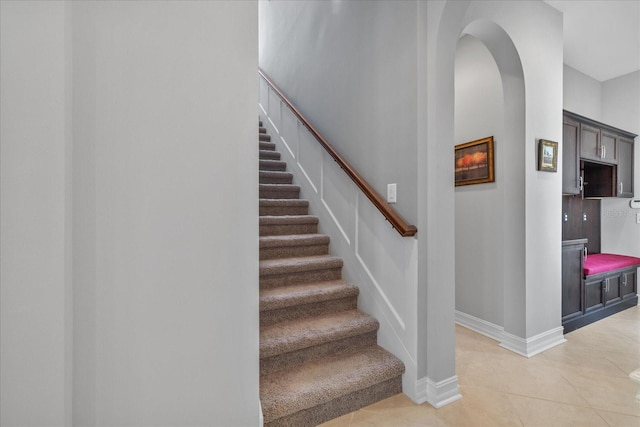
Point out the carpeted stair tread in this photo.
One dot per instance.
(290, 219)
(275, 177)
(288, 224)
(293, 240)
(261, 129)
(288, 296)
(264, 137)
(272, 165)
(293, 245)
(299, 264)
(293, 335)
(268, 155)
(328, 379)
(278, 191)
(283, 207)
(267, 146)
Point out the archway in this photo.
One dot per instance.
(493, 304)
(446, 23)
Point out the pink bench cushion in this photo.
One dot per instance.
(600, 263)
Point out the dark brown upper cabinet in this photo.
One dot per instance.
(571, 178)
(608, 147)
(589, 142)
(625, 167)
(597, 158)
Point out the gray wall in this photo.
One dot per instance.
(350, 67)
(129, 250)
(35, 304)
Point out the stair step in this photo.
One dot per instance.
(286, 225)
(307, 300)
(268, 146)
(294, 271)
(261, 129)
(276, 298)
(279, 191)
(312, 393)
(272, 165)
(259, 123)
(269, 155)
(287, 344)
(284, 207)
(275, 177)
(298, 334)
(264, 137)
(287, 246)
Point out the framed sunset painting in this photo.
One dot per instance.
(474, 162)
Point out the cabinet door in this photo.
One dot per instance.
(625, 167)
(572, 260)
(570, 157)
(594, 295)
(608, 147)
(612, 289)
(590, 143)
(628, 285)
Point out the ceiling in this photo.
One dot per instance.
(601, 37)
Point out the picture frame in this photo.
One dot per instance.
(547, 156)
(474, 162)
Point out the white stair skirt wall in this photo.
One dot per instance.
(377, 259)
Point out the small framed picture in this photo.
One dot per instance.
(547, 156)
(474, 162)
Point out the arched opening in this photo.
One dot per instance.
(479, 235)
(489, 100)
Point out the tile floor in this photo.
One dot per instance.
(583, 382)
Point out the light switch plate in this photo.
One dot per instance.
(391, 193)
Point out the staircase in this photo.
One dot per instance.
(318, 353)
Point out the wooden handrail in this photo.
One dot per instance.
(401, 226)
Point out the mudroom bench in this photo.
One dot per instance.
(608, 285)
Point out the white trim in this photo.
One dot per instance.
(419, 394)
(443, 392)
(529, 347)
(480, 326)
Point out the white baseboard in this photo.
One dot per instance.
(480, 326)
(418, 391)
(529, 347)
(443, 392)
(437, 394)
